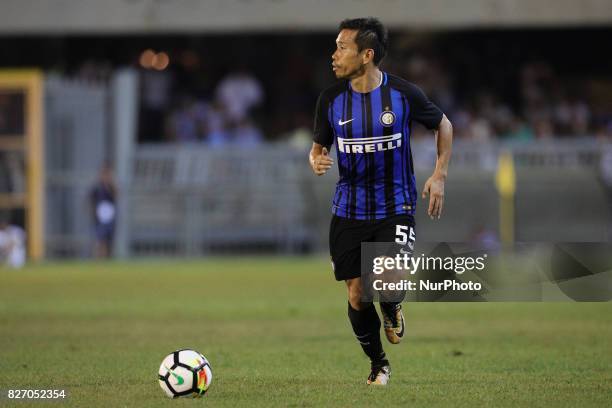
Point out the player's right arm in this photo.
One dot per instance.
(319, 159)
(323, 137)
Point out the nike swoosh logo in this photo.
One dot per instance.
(341, 123)
(179, 379)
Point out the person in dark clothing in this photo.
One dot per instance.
(102, 200)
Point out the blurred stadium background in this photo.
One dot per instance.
(204, 110)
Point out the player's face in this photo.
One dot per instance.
(347, 61)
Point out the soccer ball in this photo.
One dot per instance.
(185, 373)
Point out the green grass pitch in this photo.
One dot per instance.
(276, 333)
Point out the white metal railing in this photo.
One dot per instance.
(206, 197)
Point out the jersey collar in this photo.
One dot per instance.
(382, 83)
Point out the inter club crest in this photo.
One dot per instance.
(387, 118)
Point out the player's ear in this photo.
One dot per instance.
(368, 56)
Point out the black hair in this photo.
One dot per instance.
(371, 33)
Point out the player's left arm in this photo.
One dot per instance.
(428, 114)
(434, 186)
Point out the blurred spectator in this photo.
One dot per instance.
(183, 123)
(201, 113)
(543, 129)
(238, 93)
(247, 134)
(216, 130)
(12, 245)
(518, 131)
(102, 198)
(604, 132)
(480, 130)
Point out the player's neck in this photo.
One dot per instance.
(369, 81)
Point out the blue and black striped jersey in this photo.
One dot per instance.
(372, 136)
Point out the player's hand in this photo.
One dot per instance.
(434, 187)
(321, 163)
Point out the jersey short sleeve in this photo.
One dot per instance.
(422, 109)
(323, 133)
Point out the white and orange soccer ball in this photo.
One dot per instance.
(185, 373)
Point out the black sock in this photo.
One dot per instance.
(366, 326)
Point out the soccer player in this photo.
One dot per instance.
(368, 114)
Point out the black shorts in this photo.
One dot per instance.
(346, 236)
